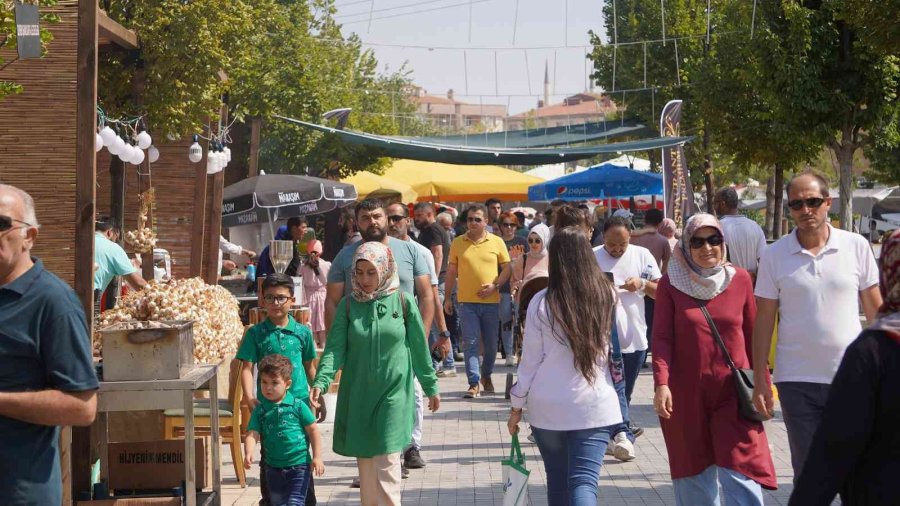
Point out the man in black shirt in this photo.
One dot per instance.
(433, 236)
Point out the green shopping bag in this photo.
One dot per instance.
(515, 476)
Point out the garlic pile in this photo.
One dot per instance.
(143, 240)
(217, 324)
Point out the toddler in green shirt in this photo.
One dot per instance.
(287, 426)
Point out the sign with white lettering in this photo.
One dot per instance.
(28, 31)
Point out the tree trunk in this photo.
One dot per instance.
(770, 207)
(708, 178)
(778, 201)
(255, 127)
(845, 158)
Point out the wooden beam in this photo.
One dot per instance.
(217, 181)
(198, 219)
(255, 127)
(76, 466)
(115, 33)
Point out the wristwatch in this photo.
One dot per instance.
(445, 333)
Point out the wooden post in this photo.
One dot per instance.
(255, 127)
(198, 219)
(75, 465)
(146, 258)
(217, 181)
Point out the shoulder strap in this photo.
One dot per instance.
(715, 332)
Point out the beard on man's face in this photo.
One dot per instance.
(373, 233)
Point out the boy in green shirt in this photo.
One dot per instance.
(287, 425)
(278, 334)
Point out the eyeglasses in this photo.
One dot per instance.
(511, 225)
(476, 220)
(534, 241)
(6, 223)
(812, 203)
(713, 240)
(276, 299)
(396, 217)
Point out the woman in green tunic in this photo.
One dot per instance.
(377, 338)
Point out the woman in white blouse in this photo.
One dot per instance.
(564, 378)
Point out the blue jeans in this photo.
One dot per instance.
(633, 362)
(703, 489)
(623, 407)
(479, 322)
(287, 487)
(433, 336)
(572, 461)
(802, 406)
(506, 323)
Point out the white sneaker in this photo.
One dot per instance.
(510, 360)
(447, 373)
(624, 449)
(611, 448)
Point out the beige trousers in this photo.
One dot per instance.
(379, 480)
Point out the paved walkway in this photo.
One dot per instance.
(465, 441)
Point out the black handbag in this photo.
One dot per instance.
(742, 378)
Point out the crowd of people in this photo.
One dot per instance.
(574, 303)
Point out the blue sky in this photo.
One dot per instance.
(543, 33)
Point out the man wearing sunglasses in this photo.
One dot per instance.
(475, 258)
(813, 278)
(46, 372)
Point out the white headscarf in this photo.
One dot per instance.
(543, 233)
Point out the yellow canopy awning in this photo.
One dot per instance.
(461, 183)
(368, 184)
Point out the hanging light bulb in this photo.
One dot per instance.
(153, 154)
(108, 135)
(137, 156)
(227, 152)
(143, 139)
(98, 142)
(195, 154)
(114, 148)
(127, 153)
(119, 144)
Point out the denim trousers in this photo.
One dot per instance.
(633, 362)
(479, 323)
(506, 323)
(623, 407)
(264, 482)
(703, 489)
(572, 461)
(434, 337)
(802, 406)
(287, 487)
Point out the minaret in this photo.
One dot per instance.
(546, 84)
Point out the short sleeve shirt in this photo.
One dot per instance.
(477, 263)
(294, 341)
(435, 235)
(410, 265)
(631, 320)
(428, 258)
(745, 240)
(44, 344)
(282, 427)
(657, 244)
(111, 261)
(818, 301)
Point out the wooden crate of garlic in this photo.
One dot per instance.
(217, 323)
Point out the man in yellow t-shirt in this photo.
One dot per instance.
(475, 259)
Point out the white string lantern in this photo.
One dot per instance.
(138, 156)
(153, 154)
(108, 135)
(143, 140)
(98, 143)
(195, 153)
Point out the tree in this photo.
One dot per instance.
(876, 22)
(842, 87)
(8, 37)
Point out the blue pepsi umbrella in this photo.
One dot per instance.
(600, 181)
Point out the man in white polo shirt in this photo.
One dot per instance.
(635, 274)
(814, 277)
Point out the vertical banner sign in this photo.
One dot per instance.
(679, 197)
(28, 31)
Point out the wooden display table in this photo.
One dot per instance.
(166, 394)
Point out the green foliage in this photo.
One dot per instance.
(8, 37)
(283, 57)
(876, 22)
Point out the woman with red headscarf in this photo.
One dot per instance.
(708, 442)
(856, 449)
(315, 282)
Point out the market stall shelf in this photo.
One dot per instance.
(165, 394)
